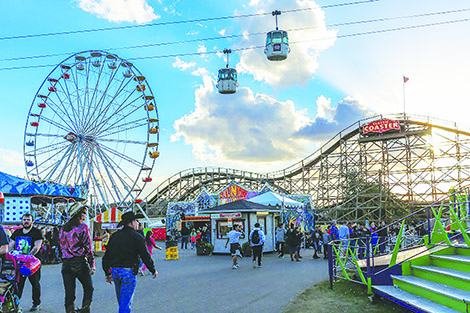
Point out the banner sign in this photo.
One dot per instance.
(197, 218)
(109, 225)
(381, 126)
(226, 215)
(232, 193)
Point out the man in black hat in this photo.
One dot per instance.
(122, 259)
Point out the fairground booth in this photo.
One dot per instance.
(246, 214)
(195, 214)
(107, 220)
(47, 202)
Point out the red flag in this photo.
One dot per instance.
(405, 79)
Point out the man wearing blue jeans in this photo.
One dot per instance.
(122, 259)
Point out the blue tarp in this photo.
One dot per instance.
(12, 185)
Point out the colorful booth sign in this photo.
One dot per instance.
(233, 192)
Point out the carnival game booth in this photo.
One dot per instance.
(245, 213)
(106, 220)
(48, 202)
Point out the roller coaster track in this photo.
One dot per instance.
(416, 165)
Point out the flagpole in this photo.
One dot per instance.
(404, 111)
(405, 79)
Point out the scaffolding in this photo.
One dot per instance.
(354, 176)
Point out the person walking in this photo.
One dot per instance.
(334, 231)
(184, 236)
(316, 238)
(28, 240)
(280, 240)
(105, 237)
(4, 241)
(193, 238)
(326, 240)
(78, 261)
(257, 241)
(343, 234)
(150, 243)
(293, 240)
(234, 237)
(122, 259)
(383, 237)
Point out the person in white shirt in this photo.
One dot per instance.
(257, 242)
(234, 237)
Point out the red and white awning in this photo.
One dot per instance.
(113, 215)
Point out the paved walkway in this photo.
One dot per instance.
(197, 284)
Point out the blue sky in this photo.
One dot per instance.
(282, 110)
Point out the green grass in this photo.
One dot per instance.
(346, 297)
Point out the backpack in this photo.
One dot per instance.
(255, 239)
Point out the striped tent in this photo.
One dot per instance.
(112, 215)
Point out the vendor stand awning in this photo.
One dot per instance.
(243, 206)
(274, 199)
(112, 215)
(197, 219)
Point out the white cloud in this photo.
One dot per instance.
(331, 120)
(201, 71)
(11, 161)
(183, 66)
(301, 63)
(202, 50)
(243, 127)
(138, 11)
(324, 109)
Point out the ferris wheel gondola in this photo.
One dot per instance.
(90, 124)
(227, 81)
(277, 43)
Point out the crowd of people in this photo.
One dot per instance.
(127, 250)
(355, 235)
(193, 235)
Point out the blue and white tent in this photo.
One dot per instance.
(14, 186)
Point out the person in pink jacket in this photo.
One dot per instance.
(150, 243)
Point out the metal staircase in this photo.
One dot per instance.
(432, 275)
(439, 282)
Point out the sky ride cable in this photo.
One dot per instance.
(384, 19)
(180, 22)
(262, 46)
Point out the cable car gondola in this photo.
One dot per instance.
(277, 43)
(227, 81)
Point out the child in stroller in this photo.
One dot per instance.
(9, 278)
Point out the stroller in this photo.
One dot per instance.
(9, 278)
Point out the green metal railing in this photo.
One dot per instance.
(451, 222)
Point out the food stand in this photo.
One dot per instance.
(106, 220)
(245, 213)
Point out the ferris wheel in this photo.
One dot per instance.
(94, 123)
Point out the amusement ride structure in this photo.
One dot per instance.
(373, 168)
(94, 123)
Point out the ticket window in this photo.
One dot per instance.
(262, 222)
(224, 227)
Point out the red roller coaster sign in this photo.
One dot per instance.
(381, 126)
